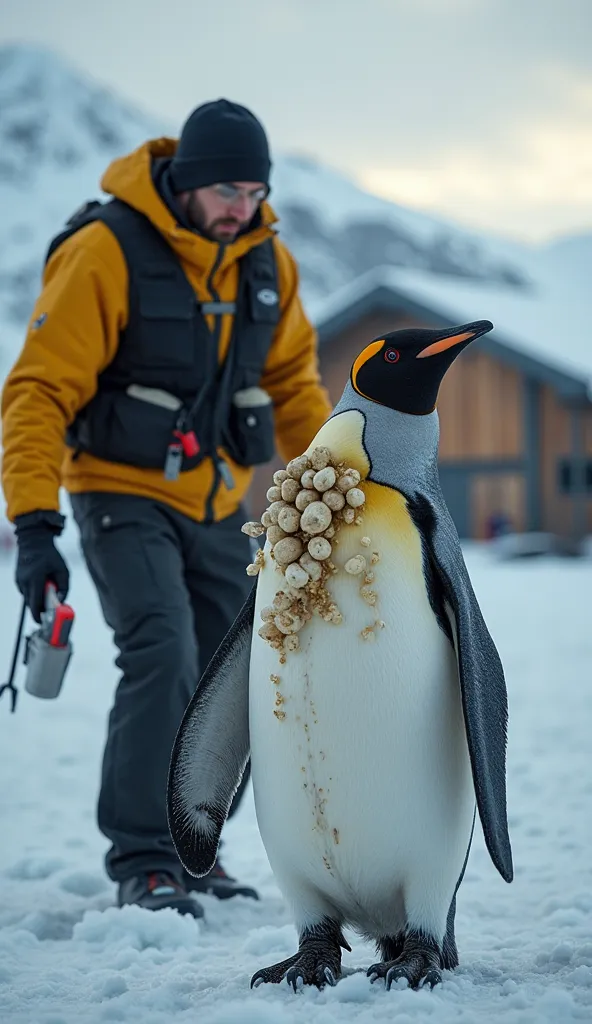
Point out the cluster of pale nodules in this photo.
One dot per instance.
(309, 502)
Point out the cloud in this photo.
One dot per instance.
(539, 180)
(472, 104)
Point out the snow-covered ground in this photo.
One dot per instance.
(67, 954)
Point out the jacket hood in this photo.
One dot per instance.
(129, 178)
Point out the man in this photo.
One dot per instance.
(168, 346)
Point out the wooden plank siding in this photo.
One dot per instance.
(588, 451)
(491, 492)
(556, 444)
(480, 410)
(483, 414)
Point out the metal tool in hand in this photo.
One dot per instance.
(48, 650)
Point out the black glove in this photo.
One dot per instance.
(38, 561)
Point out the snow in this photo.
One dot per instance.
(67, 954)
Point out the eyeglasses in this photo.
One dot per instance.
(231, 193)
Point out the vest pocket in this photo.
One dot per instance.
(249, 436)
(166, 331)
(120, 428)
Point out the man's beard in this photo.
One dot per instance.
(210, 231)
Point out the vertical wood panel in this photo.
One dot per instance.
(451, 407)
(588, 450)
(511, 419)
(481, 411)
(494, 493)
(556, 441)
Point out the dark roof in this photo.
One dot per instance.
(386, 297)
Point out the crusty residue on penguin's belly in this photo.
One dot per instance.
(332, 704)
(323, 734)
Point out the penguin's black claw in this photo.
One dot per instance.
(393, 975)
(317, 962)
(312, 970)
(431, 978)
(308, 967)
(417, 970)
(295, 979)
(273, 975)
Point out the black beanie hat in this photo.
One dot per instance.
(220, 141)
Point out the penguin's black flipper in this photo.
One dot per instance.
(483, 687)
(211, 749)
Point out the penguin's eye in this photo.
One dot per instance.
(392, 355)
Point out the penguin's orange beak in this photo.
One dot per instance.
(445, 343)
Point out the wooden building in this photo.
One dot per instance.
(515, 428)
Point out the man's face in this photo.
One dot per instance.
(220, 212)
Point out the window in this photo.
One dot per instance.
(574, 476)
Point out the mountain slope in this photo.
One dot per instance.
(57, 134)
(59, 130)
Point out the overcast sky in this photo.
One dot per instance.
(478, 109)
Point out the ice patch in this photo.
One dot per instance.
(29, 868)
(111, 986)
(556, 1005)
(79, 883)
(562, 953)
(269, 940)
(242, 1013)
(121, 927)
(51, 925)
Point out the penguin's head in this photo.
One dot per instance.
(403, 370)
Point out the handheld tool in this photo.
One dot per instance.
(48, 650)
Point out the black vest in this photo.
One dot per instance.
(165, 381)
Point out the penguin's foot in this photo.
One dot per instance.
(317, 962)
(419, 963)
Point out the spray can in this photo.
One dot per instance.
(48, 650)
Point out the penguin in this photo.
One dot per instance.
(369, 760)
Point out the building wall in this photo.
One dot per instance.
(482, 407)
(480, 410)
(560, 513)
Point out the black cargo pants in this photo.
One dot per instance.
(169, 588)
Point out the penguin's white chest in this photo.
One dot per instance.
(360, 764)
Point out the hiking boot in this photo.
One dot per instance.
(218, 883)
(157, 890)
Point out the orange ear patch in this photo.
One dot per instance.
(364, 356)
(444, 343)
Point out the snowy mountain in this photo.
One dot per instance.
(57, 134)
(59, 130)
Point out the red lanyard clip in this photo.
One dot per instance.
(189, 442)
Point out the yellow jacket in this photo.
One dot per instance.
(74, 333)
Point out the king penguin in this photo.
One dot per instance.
(368, 778)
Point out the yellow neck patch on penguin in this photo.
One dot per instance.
(343, 436)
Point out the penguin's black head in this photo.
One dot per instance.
(403, 370)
